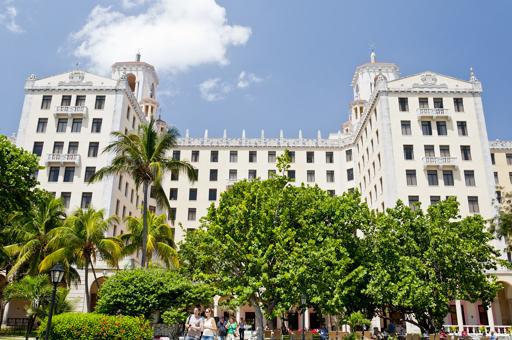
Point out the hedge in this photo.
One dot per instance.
(91, 326)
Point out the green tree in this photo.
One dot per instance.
(160, 239)
(268, 242)
(420, 261)
(144, 157)
(80, 240)
(502, 224)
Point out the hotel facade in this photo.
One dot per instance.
(417, 138)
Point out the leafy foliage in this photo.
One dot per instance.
(92, 326)
(422, 261)
(143, 292)
(502, 223)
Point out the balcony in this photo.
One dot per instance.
(433, 113)
(62, 158)
(440, 161)
(71, 111)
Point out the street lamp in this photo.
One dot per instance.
(303, 303)
(56, 274)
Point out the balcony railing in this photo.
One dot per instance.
(479, 329)
(63, 158)
(435, 112)
(439, 161)
(71, 111)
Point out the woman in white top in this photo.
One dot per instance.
(209, 326)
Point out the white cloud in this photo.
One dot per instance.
(8, 19)
(214, 89)
(127, 4)
(247, 79)
(173, 35)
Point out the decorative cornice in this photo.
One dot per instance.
(500, 145)
(265, 142)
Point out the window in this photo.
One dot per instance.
(458, 104)
(65, 197)
(191, 214)
(233, 156)
(271, 156)
(448, 177)
(69, 173)
(406, 127)
(465, 150)
(171, 215)
(76, 126)
(510, 177)
(414, 202)
(411, 177)
(252, 157)
(65, 101)
(195, 156)
(38, 148)
(403, 104)
(100, 103)
(444, 150)
(429, 151)
(434, 199)
(252, 174)
(89, 172)
(291, 174)
(473, 204)
(329, 157)
(348, 155)
(212, 194)
(53, 174)
(462, 128)
(41, 125)
(131, 196)
(96, 125)
(73, 148)
(213, 175)
(173, 194)
(310, 176)
(271, 173)
(438, 103)
(408, 152)
(192, 194)
(127, 111)
(432, 178)
(176, 155)
(133, 122)
(310, 156)
(80, 101)
(175, 175)
(350, 174)
(331, 192)
(45, 104)
(498, 196)
(493, 160)
(86, 200)
(469, 177)
(496, 178)
(93, 149)
(441, 129)
(509, 158)
(62, 124)
(330, 176)
(120, 183)
(152, 190)
(426, 128)
(233, 175)
(423, 102)
(214, 156)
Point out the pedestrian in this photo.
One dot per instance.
(221, 328)
(209, 326)
(241, 328)
(324, 332)
(493, 336)
(194, 325)
(231, 326)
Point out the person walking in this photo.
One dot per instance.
(241, 328)
(194, 326)
(231, 326)
(222, 329)
(209, 326)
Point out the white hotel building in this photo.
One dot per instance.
(418, 138)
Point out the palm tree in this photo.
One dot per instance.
(80, 239)
(31, 230)
(143, 156)
(159, 239)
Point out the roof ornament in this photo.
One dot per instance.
(281, 134)
(205, 134)
(137, 56)
(225, 134)
(373, 55)
(262, 136)
(300, 133)
(187, 134)
(243, 134)
(472, 77)
(318, 135)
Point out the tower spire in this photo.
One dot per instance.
(373, 56)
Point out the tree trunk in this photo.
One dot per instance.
(30, 324)
(86, 282)
(259, 319)
(145, 225)
(94, 274)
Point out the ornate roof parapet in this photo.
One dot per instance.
(265, 142)
(477, 85)
(500, 144)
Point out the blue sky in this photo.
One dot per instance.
(258, 64)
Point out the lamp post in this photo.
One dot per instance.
(303, 303)
(56, 274)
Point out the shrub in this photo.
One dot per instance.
(91, 326)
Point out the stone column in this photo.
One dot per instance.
(460, 320)
(216, 299)
(490, 317)
(6, 314)
(306, 320)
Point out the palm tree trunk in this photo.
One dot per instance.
(145, 224)
(94, 274)
(86, 281)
